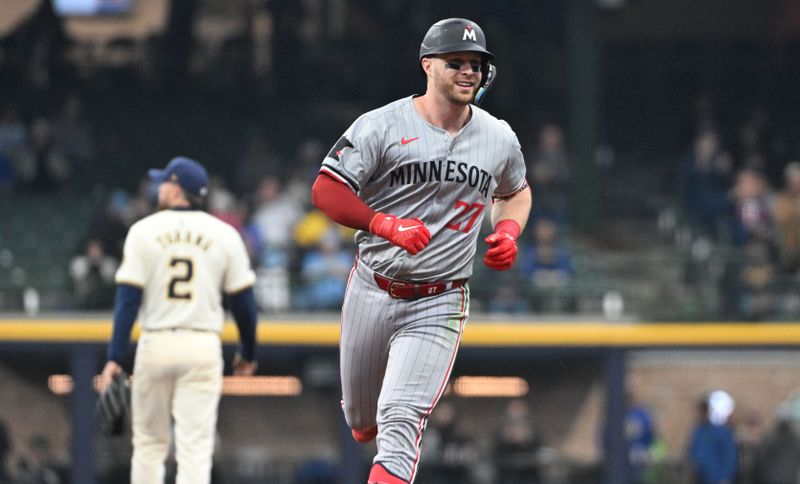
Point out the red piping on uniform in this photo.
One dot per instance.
(441, 389)
(509, 195)
(341, 313)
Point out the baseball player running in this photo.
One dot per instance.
(176, 264)
(416, 178)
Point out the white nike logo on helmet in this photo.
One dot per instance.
(401, 228)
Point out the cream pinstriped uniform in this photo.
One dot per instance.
(183, 260)
(396, 355)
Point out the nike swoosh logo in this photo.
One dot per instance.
(401, 228)
(404, 141)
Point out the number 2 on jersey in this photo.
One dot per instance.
(464, 209)
(183, 271)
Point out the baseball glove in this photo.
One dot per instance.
(114, 406)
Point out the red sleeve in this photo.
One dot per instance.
(340, 203)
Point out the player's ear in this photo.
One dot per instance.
(185, 195)
(427, 65)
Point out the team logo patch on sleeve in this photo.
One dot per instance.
(339, 147)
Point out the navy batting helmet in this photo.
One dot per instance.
(456, 35)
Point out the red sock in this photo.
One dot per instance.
(364, 436)
(379, 475)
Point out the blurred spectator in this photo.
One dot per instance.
(450, 450)
(110, 225)
(258, 161)
(787, 219)
(712, 448)
(749, 277)
(251, 235)
(275, 216)
(547, 266)
(752, 218)
(93, 277)
(757, 296)
(224, 205)
(778, 455)
(705, 183)
(13, 137)
(324, 271)
(640, 437)
(39, 465)
(549, 173)
(143, 202)
(73, 134)
(316, 471)
(310, 153)
(40, 165)
(304, 169)
(311, 228)
(516, 446)
(5, 451)
(508, 300)
(13, 132)
(748, 431)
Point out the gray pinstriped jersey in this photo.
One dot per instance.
(400, 164)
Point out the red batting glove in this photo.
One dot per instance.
(410, 234)
(502, 246)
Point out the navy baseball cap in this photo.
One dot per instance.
(186, 172)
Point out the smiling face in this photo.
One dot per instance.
(456, 76)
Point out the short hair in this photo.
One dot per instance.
(197, 202)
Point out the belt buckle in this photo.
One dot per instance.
(392, 286)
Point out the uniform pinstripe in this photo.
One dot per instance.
(396, 355)
(388, 176)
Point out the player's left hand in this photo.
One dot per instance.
(242, 367)
(502, 251)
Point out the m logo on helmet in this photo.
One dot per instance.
(469, 34)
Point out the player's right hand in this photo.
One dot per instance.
(111, 369)
(410, 234)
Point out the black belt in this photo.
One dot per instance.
(410, 290)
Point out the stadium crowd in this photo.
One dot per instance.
(734, 196)
(74, 125)
(726, 192)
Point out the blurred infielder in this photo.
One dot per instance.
(416, 177)
(177, 263)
